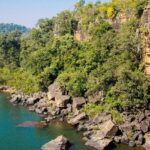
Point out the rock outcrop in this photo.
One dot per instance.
(103, 137)
(146, 37)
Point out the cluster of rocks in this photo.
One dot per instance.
(99, 132)
(36, 102)
(136, 128)
(7, 89)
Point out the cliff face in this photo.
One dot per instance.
(146, 51)
(78, 33)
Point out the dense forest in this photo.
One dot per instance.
(94, 48)
(10, 27)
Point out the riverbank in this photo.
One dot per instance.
(16, 137)
(99, 132)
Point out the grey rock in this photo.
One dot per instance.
(81, 128)
(132, 144)
(107, 129)
(99, 144)
(85, 139)
(145, 126)
(124, 138)
(16, 99)
(140, 139)
(62, 100)
(32, 100)
(130, 118)
(53, 91)
(102, 118)
(126, 127)
(38, 111)
(77, 119)
(147, 113)
(87, 134)
(60, 143)
(69, 107)
(141, 117)
(136, 135)
(78, 102)
(117, 139)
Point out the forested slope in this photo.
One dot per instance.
(95, 47)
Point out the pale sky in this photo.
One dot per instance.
(28, 12)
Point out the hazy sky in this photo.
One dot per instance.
(28, 12)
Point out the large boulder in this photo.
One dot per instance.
(141, 117)
(55, 94)
(145, 126)
(53, 91)
(78, 102)
(62, 100)
(107, 129)
(60, 143)
(102, 118)
(77, 119)
(126, 127)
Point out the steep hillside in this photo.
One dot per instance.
(96, 48)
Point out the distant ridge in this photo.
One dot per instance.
(11, 27)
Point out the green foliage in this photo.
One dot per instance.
(10, 48)
(140, 5)
(64, 23)
(93, 110)
(38, 60)
(107, 60)
(19, 79)
(117, 117)
(74, 83)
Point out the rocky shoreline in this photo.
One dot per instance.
(99, 132)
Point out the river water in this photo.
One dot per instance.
(31, 138)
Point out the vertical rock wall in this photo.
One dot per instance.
(146, 35)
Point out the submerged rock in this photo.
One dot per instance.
(60, 143)
(32, 124)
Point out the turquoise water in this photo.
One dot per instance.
(16, 138)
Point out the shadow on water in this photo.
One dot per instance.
(32, 138)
